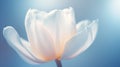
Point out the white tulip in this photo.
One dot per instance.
(52, 36)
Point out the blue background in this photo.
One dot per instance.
(104, 52)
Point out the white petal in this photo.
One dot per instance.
(61, 24)
(82, 40)
(15, 42)
(39, 37)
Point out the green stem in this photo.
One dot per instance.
(58, 63)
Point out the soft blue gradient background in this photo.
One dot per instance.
(104, 52)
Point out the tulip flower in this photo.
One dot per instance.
(53, 35)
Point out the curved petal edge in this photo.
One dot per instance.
(86, 33)
(17, 44)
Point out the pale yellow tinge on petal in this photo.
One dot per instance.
(47, 53)
(61, 24)
(63, 44)
(60, 27)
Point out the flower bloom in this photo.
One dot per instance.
(52, 35)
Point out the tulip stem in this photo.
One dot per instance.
(58, 63)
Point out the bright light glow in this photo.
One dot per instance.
(46, 4)
(114, 7)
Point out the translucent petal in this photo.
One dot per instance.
(60, 25)
(82, 40)
(15, 42)
(39, 37)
